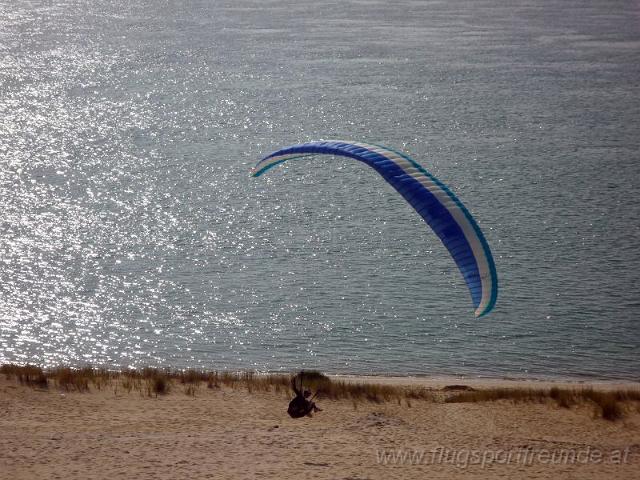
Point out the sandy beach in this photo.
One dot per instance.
(230, 433)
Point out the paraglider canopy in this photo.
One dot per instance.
(433, 200)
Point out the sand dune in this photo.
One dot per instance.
(226, 433)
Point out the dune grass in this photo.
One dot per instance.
(153, 382)
(610, 405)
(26, 375)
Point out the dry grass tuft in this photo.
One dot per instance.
(26, 375)
(192, 377)
(158, 382)
(212, 380)
(609, 405)
(71, 379)
(129, 380)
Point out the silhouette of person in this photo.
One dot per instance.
(301, 405)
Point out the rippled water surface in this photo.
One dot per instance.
(131, 233)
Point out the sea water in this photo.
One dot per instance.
(131, 233)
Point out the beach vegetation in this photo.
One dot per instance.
(608, 404)
(26, 375)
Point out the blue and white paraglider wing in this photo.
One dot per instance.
(432, 199)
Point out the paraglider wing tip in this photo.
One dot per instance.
(482, 311)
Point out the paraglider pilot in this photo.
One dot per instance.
(301, 405)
